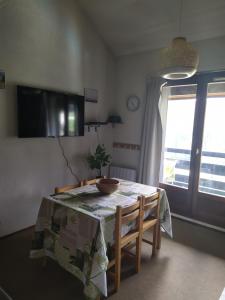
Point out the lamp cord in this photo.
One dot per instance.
(66, 160)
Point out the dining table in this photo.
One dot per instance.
(76, 228)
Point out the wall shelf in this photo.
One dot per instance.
(95, 125)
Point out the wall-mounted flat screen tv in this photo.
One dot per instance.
(45, 113)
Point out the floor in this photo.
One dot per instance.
(191, 266)
(4, 295)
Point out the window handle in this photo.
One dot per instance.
(197, 151)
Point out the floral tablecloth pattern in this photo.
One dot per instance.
(77, 227)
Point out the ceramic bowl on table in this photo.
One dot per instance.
(107, 185)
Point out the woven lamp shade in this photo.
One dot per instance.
(179, 61)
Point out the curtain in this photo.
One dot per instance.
(152, 132)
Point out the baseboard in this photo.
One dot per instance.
(18, 231)
(198, 222)
(217, 228)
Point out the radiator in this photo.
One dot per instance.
(123, 173)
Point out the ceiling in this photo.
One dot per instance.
(132, 26)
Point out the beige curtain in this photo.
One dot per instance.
(153, 132)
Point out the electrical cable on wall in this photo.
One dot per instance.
(66, 159)
(98, 137)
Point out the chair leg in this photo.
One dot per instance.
(158, 236)
(117, 269)
(138, 254)
(154, 243)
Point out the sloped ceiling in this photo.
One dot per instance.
(132, 26)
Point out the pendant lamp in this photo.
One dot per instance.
(180, 60)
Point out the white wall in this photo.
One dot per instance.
(131, 72)
(49, 44)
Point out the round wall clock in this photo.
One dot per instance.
(133, 103)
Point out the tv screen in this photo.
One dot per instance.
(44, 113)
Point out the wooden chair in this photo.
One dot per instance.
(124, 216)
(91, 181)
(153, 220)
(67, 187)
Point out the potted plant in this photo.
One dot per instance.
(99, 159)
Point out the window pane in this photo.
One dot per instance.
(212, 172)
(178, 139)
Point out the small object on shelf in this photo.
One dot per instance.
(114, 119)
(107, 185)
(94, 124)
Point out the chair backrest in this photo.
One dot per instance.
(152, 202)
(127, 214)
(68, 187)
(92, 181)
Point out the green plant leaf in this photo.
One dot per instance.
(99, 159)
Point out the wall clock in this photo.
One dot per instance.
(133, 103)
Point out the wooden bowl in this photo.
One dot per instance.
(107, 185)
